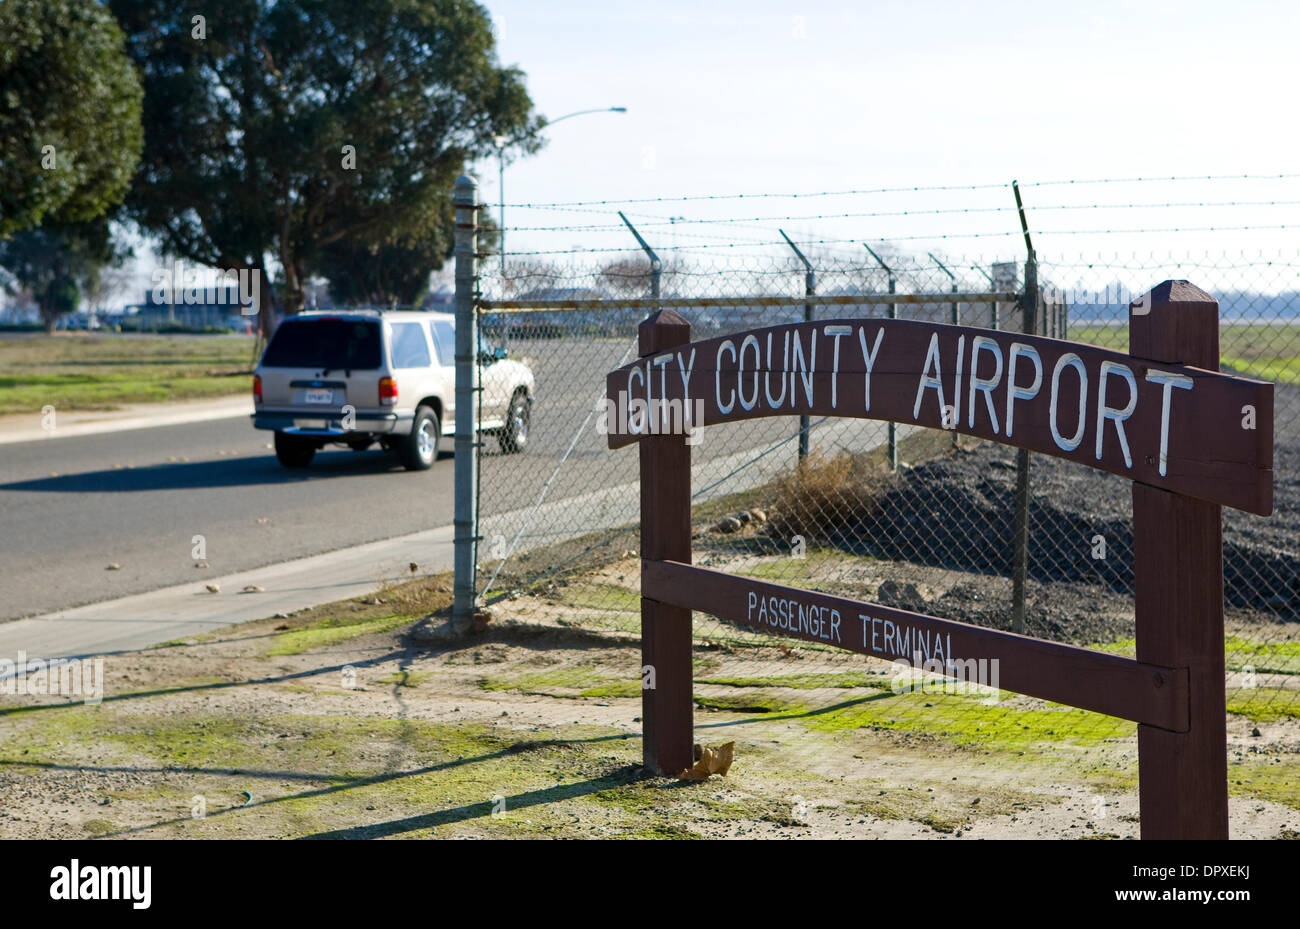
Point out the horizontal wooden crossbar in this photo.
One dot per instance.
(1080, 677)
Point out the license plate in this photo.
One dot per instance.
(309, 423)
(318, 395)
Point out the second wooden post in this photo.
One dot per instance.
(1178, 592)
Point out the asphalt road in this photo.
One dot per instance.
(121, 498)
(70, 507)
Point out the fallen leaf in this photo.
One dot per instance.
(114, 567)
(252, 589)
(213, 588)
(711, 761)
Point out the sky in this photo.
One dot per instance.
(764, 97)
(758, 98)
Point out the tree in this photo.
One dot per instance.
(398, 274)
(285, 129)
(58, 262)
(381, 275)
(70, 133)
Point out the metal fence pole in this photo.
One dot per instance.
(1020, 565)
(809, 290)
(465, 517)
(956, 321)
(656, 267)
(893, 314)
(501, 193)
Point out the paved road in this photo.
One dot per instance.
(121, 498)
(69, 507)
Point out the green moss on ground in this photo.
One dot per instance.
(809, 681)
(594, 595)
(1272, 780)
(331, 631)
(1264, 704)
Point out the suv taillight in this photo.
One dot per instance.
(387, 391)
(257, 388)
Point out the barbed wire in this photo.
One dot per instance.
(655, 220)
(936, 237)
(763, 196)
(1154, 178)
(906, 189)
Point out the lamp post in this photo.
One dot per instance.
(501, 170)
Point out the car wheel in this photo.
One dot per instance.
(292, 451)
(514, 436)
(420, 449)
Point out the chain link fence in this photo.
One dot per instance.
(558, 519)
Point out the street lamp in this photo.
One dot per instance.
(501, 169)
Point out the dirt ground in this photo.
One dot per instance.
(345, 721)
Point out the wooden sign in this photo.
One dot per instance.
(1188, 437)
(1186, 429)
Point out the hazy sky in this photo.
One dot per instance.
(763, 97)
(759, 96)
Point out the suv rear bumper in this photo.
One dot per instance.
(330, 425)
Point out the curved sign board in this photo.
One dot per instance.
(1183, 429)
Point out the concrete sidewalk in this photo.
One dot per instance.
(29, 427)
(189, 609)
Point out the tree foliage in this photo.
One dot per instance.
(70, 133)
(315, 134)
(59, 262)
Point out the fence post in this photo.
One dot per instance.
(956, 321)
(666, 702)
(656, 266)
(1020, 554)
(893, 314)
(1178, 596)
(809, 290)
(465, 517)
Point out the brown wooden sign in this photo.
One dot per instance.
(1189, 438)
(1197, 432)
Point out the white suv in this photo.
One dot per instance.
(355, 378)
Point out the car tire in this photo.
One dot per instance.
(292, 451)
(419, 450)
(514, 434)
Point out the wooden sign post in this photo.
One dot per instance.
(1178, 594)
(666, 672)
(1190, 439)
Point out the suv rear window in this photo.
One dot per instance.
(330, 344)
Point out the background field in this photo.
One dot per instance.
(86, 371)
(1268, 352)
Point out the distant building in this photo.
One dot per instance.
(196, 308)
